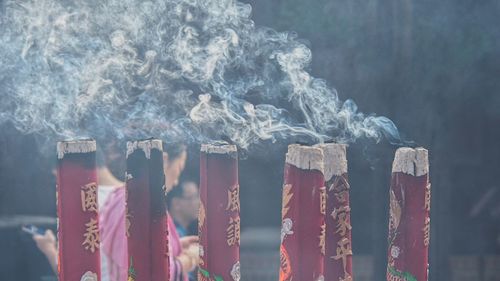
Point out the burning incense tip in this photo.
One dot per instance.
(335, 159)
(75, 146)
(412, 161)
(305, 157)
(145, 145)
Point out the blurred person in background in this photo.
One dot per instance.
(183, 203)
(184, 251)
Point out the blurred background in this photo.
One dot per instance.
(433, 67)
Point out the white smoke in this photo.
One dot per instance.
(195, 70)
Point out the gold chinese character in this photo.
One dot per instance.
(341, 215)
(322, 198)
(287, 196)
(342, 196)
(427, 205)
(127, 216)
(88, 195)
(233, 231)
(322, 238)
(427, 230)
(91, 235)
(339, 184)
(233, 199)
(343, 250)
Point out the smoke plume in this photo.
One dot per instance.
(193, 70)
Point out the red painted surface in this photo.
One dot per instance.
(219, 215)
(147, 215)
(301, 252)
(74, 171)
(408, 252)
(338, 254)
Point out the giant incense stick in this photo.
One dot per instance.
(409, 223)
(146, 218)
(78, 228)
(219, 217)
(338, 242)
(303, 215)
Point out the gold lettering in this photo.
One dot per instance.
(427, 205)
(343, 250)
(233, 199)
(342, 196)
(233, 232)
(427, 230)
(287, 196)
(91, 235)
(339, 184)
(322, 198)
(88, 196)
(341, 215)
(322, 238)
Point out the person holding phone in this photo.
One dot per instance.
(46, 243)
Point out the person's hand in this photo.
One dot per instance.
(193, 251)
(186, 241)
(190, 256)
(46, 243)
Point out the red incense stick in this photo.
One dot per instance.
(303, 215)
(338, 243)
(146, 217)
(78, 229)
(219, 217)
(409, 224)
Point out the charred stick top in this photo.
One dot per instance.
(305, 157)
(335, 159)
(412, 161)
(75, 146)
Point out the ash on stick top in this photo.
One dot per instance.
(409, 222)
(411, 161)
(75, 146)
(303, 215)
(77, 210)
(145, 145)
(219, 148)
(219, 215)
(305, 157)
(335, 159)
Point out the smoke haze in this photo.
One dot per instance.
(190, 70)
